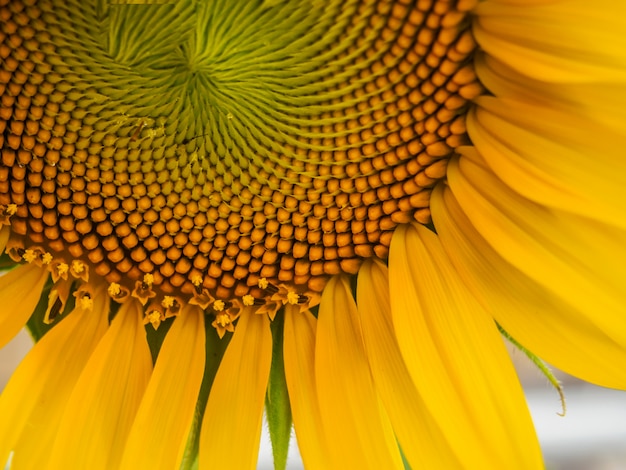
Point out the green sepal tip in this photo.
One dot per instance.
(215, 349)
(541, 365)
(277, 407)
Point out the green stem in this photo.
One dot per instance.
(541, 365)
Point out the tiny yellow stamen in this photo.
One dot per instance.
(84, 298)
(154, 317)
(78, 266)
(29, 256)
(62, 269)
(292, 297)
(263, 283)
(196, 280)
(79, 270)
(223, 323)
(114, 289)
(11, 209)
(172, 306)
(117, 292)
(222, 320)
(86, 302)
(148, 279)
(248, 300)
(218, 305)
(46, 258)
(151, 133)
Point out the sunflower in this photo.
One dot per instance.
(327, 211)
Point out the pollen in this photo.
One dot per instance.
(78, 267)
(292, 298)
(247, 300)
(62, 269)
(29, 256)
(148, 279)
(222, 319)
(118, 292)
(219, 305)
(196, 280)
(10, 209)
(114, 289)
(154, 317)
(83, 295)
(222, 324)
(86, 303)
(168, 301)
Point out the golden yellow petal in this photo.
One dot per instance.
(584, 172)
(550, 327)
(159, 433)
(599, 103)
(584, 168)
(231, 427)
(456, 357)
(34, 399)
(20, 290)
(358, 430)
(299, 359)
(421, 439)
(579, 260)
(564, 41)
(106, 397)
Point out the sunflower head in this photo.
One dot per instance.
(172, 154)
(184, 180)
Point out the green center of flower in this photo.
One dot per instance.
(228, 146)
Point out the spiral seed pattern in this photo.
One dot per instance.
(228, 141)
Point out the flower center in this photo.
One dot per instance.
(272, 142)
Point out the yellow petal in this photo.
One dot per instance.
(584, 173)
(299, 359)
(358, 431)
(231, 427)
(566, 40)
(456, 357)
(579, 260)
(101, 410)
(159, 433)
(20, 290)
(422, 442)
(35, 397)
(600, 103)
(547, 325)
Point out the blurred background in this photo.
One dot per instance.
(591, 436)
